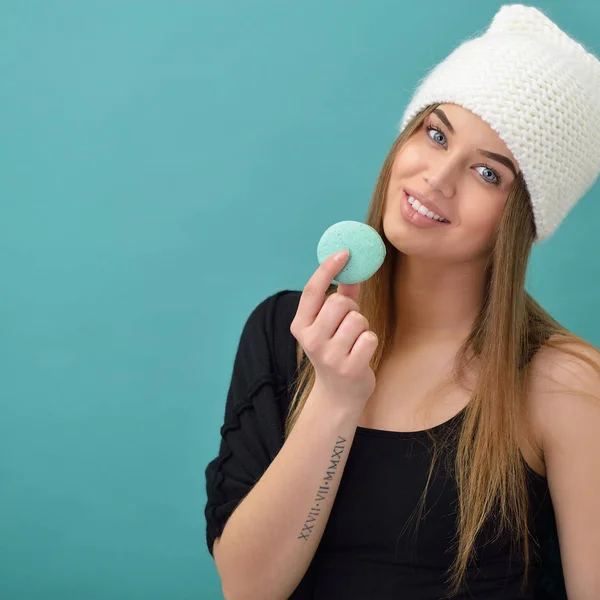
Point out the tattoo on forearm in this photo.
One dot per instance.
(339, 447)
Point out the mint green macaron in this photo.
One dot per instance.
(367, 250)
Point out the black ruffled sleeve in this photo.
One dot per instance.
(252, 432)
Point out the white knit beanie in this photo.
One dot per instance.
(539, 90)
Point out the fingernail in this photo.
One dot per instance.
(341, 255)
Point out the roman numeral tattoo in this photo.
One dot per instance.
(323, 489)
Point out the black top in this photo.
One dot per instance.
(369, 549)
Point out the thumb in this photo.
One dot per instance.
(350, 290)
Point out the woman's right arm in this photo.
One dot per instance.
(270, 539)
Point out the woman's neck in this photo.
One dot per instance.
(436, 302)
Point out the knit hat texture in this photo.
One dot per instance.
(539, 89)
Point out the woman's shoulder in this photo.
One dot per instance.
(559, 373)
(561, 361)
(267, 330)
(274, 313)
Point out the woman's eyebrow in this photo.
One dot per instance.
(493, 155)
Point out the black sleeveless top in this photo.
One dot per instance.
(371, 548)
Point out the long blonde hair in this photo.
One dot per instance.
(509, 328)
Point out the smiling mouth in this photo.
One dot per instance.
(416, 218)
(408, 199)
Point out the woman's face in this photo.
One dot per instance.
(467, 187)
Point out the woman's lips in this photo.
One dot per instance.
(416, 218)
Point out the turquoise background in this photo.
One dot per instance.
(164, 167)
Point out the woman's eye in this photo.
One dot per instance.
(496, 179)
(436, 131)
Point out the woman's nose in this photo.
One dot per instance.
(442, 175)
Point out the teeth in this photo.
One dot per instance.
(422, 209)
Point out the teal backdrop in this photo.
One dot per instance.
(164, 167)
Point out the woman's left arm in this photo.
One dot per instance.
(569, 428)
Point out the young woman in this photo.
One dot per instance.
(432, 432)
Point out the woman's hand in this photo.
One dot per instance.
(336, 337)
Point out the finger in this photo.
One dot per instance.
(350, 290)
(363, 349)
(313, 295)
